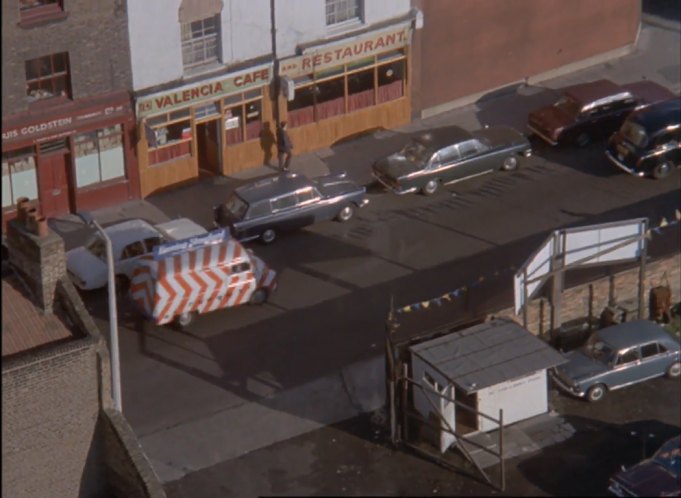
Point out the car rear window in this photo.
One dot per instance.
(568, 106)
(236, 206)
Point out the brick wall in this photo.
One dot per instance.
(94, 33)
(50, 408)
(623, 286)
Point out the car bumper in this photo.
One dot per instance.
(622, 166)
(575, 391)
(363, 203)
(392, 188)
(542, 135)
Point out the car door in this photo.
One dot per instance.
(625, 371)
(129, 255)
(653, 360)
(472, 159)
(445, 165)
(285, 213)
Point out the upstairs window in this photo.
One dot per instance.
(33, 11)
(338, 11)
(200, 45)
(48, 77)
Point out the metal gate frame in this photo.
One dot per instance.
(401, 412)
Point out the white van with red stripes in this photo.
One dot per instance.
(194, 276)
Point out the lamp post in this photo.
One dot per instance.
(113, 320)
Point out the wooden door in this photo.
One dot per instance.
(54, 183)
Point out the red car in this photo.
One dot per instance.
(592, 110)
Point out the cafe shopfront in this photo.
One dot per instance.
(217, 126)
(73, 158)
(339, 89)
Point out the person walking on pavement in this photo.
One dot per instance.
(284, 147)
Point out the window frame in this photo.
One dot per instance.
(241, 100)
(51, 77)
(192, 42)
(25, 153)
(47, 10)
(101, 135)
(338, 12)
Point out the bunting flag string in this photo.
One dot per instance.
(451, 295)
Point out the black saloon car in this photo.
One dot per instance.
(592, 110)
(287, 201)
(448, 155)
(656, 476)
(649, 142)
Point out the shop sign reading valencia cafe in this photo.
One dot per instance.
(203, 91)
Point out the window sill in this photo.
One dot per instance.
(48, 103)
(342, 27)
(44, 17)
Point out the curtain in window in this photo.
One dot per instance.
(330, 108)
(253, 130)
(391, 91)
(234, 136)
(360, 100)
(300, 117)
(171, 152)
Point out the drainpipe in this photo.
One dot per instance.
(275, 78)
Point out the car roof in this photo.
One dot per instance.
(437, 138)
(632, 333)
(272, 186)
(657, 116)
(587, 93)
(126, 232)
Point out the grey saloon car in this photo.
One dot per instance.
(288, 201)
(618, 356)
(448, 155)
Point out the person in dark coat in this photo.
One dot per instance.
(284, 147)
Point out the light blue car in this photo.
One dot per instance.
(619, 356)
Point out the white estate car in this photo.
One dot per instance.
(129, 240)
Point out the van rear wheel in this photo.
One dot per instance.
(259, 296)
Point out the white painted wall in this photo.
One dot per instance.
(304, 21)
(447, 409)
(520, 399)
(156, 49)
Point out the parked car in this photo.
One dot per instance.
(649, 142)
(659, 475)
(130, 240)
(592, 110)
(288, 201)
(448, 155)
(618, 356)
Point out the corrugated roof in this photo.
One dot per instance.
(488, 354)
(24, 326)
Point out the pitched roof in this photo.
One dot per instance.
(24, 325)
(488, 354)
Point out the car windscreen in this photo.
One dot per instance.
(597, 349)
(415, 152)
(235, 206)
(567, 106)
(634, 133)
(96, 246)
(669, 456)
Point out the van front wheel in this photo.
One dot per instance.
(259, 296)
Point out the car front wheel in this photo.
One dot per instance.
(510, 163)
(662, 170)
(674, 370)
(430, 188)
(268, 236)
(346, 213)
(595, 393)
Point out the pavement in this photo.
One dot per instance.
(352, 390)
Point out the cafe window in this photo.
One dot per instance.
(99, 156)
(172, 136)
(345, 89)
(19, 178)
(48, 77)
(243, 117)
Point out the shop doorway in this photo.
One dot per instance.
(53, 180)
(208, 145)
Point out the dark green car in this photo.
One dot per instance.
(448, 155)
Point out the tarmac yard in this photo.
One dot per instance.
(355, 458)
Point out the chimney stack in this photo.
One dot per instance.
(36, 252)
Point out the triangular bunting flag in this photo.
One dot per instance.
(677, 215)
(663, 223)
(425, 304)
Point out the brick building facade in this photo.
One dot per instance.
(68, 126)
(60, 434)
